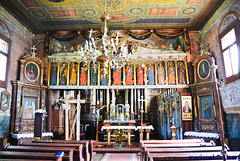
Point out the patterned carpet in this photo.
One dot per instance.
(120, 157)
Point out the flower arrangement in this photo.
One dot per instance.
(119, 135)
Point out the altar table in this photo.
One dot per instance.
(121, 127)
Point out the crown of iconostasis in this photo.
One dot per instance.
(147, 68)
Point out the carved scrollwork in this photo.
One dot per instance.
(204, 89)
(208, 127)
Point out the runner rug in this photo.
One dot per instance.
(120, 157)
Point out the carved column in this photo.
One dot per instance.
(129, 136)
(148, 134)
(108, 136)
(16, 113)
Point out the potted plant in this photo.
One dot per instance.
(119, 136)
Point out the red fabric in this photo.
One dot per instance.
(120, 157)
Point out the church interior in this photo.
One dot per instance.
(146, 79)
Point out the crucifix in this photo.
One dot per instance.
(97, 115)
(76, 119)
(141, 111)
(33, 54)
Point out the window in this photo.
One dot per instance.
(5, 44)
(229, 41)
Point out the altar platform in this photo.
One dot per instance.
(113, 148)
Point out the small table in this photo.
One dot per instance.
(147, 129)
(110, 128)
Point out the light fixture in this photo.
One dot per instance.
(111, 50)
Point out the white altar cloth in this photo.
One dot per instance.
(118, 127)
(149, 127)
(30, 135)
(118, 121)
(202, 134)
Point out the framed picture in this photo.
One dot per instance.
(5, 98)
(186, 108)
(31, 71)
(206, 104)
(203, 69)
(29, 107)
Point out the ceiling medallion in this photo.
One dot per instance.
(189, 11)
(89, 12)
(38, 14)
(136, 11)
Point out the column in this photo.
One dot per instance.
(58, 70)
(132, 103)
(148, 134)
(176, 72)
(129, 136)
(78, 116)
(49, 74)
(108, 118)
(66, 118)
(108, 136)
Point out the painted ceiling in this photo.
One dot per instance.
(54, 15)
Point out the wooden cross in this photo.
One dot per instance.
(76, 120)
(33, 54)
(202, 49)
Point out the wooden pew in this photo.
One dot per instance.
(68, 151)
(162, 143)
(150, 151)
(171, 144)
(88, 145)
(184, 149)
(172, 141)
(193, 156)
(77, 153)
(29, 155)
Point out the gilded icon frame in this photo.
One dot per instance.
(34, 73)
(202, 71)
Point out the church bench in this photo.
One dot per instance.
(87, 148)
(189, 145)
(172, 141)
(68, 151)
(29, 155)
(193, 156)
(171, 144)
(76, 153)
(149, 151)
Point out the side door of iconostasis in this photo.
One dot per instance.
(204, 95)
(28, 94)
